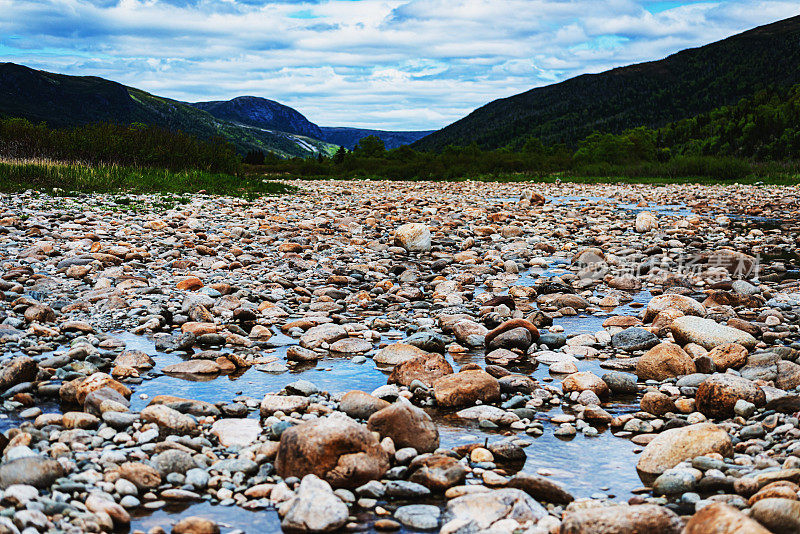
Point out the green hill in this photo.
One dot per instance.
(61, 100)
(685, 84)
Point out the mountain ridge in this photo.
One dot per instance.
(651, 94)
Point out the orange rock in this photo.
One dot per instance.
(191, 283)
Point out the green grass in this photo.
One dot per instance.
(70, 177)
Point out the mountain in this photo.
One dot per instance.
(63, 101)
(349, 137)
(261, 113)
(651, 94)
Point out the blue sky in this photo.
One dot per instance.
(391, 64)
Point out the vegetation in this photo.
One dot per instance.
(686, 84)
(137, 145)
(64, 177)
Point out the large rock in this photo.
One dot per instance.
(336, 449)
(283, 403)
(477, 512)
(315, 508)
(144, 477)
(99, 381)
(169, 421)
(325, 333)
(720, 518)
(465, 388)
(469, 332)
(194, 407)
(427, 369)
(780, 516)
(665, 360)
(673, 446)
(398, 353)
(788, 375)
(236, 432)
(717, 395)
(633, 339)
(622, 519)
(519, 340)
(407, 425)
(686, 305)
(436, 472)
(20, 369)
(541, 488)
(737, 263)
(728, 356)
(414, 237)
(585, 381)
(708, 333)
(645, 221)
(195, 525)
(36, 471)
(361, 405)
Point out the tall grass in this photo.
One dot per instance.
(19, 175)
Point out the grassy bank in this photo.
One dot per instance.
(48, 176)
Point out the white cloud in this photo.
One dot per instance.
(400, 64)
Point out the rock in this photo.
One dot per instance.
(686, 305)
(622, 519)
(173, 461)
(407, 425)
(337, 449)
(351, 345)
(780, 516)
(135, 359)
(18, 370)
(657, 403)
(673, 446)
(436, 472)
(622, 383)
(466, 331)
(195, 525)
(97, 503)
(296, 353)
(728, 356)
(193, 367)
(169, 421)
(236, 432)
(663, 361)
(633, 339)
(188, 406)
(398, 353)
(418, 516)
(520, 340)
(720, 518)
(736, 263)
(465, 388)
(541, 488)
(477, 512)
(361, 405)
(645, 222)
(283, 403)
(144, 477)
(325, 333)
(427, 341)
(585, 381)
(708, 333)
(99, 381)
(788, 375)
(717, 395)
(315, 508)
(36, 471)
(426, 368)
(414, 237)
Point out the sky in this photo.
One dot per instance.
(385, 64)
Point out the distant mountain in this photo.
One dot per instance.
(349, 137)
(261, 113)
(652, 94)
(61, 100)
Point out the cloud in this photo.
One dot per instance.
(395, 64)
